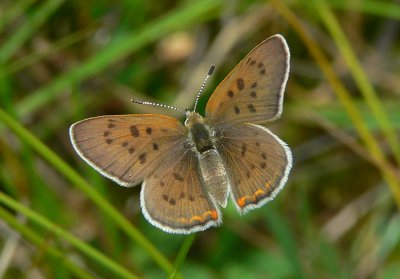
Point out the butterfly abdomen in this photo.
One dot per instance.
(214, 176)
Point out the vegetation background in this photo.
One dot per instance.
(62, 61)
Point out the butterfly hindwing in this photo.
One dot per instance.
(253, 90)
(125, 148)
(173, 199)
(257, 163)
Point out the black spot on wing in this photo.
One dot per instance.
(244, 148)
(134, 131)
(251, 108)
(237, 110)
(240, 83)
(177, 177)
(142, 158)
(172, 201)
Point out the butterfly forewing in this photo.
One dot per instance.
(126, 148)
(257, 162)
(253, 91)
(173, 199)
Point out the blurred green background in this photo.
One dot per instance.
(62, 61)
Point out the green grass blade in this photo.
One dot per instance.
(180, 258)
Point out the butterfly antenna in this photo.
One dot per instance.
(137, 101)
(210, 72)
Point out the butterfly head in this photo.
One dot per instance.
(192, 118)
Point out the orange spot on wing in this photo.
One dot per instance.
(200, 218)
(243, 201)
(214, 214)
(197, 218)
(259, 192)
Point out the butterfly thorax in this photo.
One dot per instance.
(200, 133)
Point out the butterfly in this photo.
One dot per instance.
(189, 171)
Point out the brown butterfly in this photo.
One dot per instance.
(188, 171)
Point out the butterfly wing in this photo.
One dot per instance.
(257, 162)
(126, 148)
(253, 90)
(173, 199)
